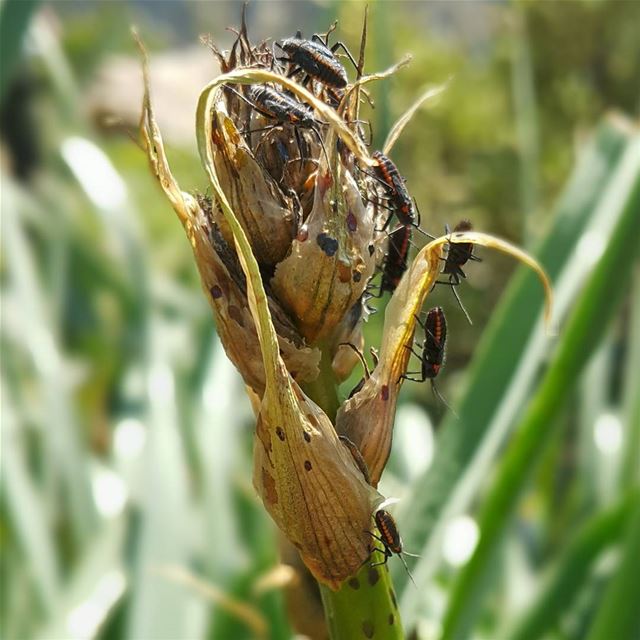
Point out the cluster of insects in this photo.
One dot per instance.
(289, 140)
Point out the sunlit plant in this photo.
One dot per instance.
(286, 247)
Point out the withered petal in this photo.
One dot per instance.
(367, 418)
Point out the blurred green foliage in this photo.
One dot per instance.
(126, 439)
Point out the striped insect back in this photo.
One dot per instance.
(459, 253)
(282, 107)
(388, 529)
(400, 201)
(316, 60)
(395, 263)
(389, 538)
(435, 336)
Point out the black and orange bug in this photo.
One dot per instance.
(389, 537)
(400, 202)
(316, 58)
(458, 255)
(433, 350)
(286, 110)
(282, 107)
(395, 262)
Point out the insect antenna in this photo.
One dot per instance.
(360, 355)
(406, 567)
(455, 293)
(440, 397)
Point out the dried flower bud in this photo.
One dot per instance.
(267, 216)
(330, 263)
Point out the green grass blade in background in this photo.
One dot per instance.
(630, 470)
(507, 335)
(619, 614)
(15, 16)
(573, 567)
(94, 588)
(160, 606)
(40, 343)
(218, 427)
(27, 510)
(586, 325)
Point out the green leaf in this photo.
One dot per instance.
(501, 352)
(560, 590)
(15, 16)
(619, 615)
(584, 329)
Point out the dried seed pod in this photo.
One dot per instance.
(330, 264)
(266, 214)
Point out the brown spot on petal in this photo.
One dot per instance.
(216, 292)
(280, 433)
(324, 181)
(354, 583)
(368, 629)
(307, 465)
(328, 244)
(303, 234)
(236, 314)
(384, 392)
(352, 222)
(269, 484)
(344, 271)
(373, 576)
(357, 276)
(307, 436)
(392, 619)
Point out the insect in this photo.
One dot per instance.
(395, 262)
(357, 457)
(389, 538)
(286, 110)
(433, 350)
(316, 59)
(459, 254)
(400, 203)
(365, 366)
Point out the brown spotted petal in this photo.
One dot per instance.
(266, 215)
(329, 265)
(367, 418)
(311, 486)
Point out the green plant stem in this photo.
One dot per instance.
(365, 606)
(323, 390)
(619, 615)
(570, 573)
(586, 325)
(15, 16)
